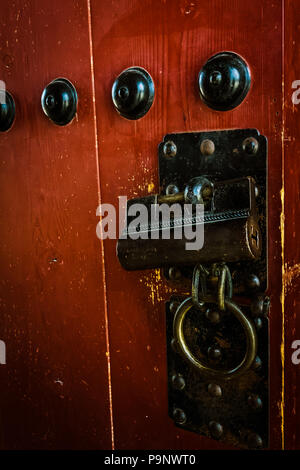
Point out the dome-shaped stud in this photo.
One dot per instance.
(133, 93)
(7, 110)
(59, 101)
(224, 81)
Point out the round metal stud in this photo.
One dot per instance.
(133, 93)
(170, 149)
(179, 416)
(7, 111)
(213, 316)
(260, 306)
(224, 81)
(178, 382)
(258, 323)
(207, 147)
(254, 401)
(257, 363)
(214, 353)
(59, 101)
(173, 306)
(214, 390)
(174, 273)
(216, 429)
(254, 441)
(250, 146)
(199, 190)
(252, 282)
(172, 189)
(174, 345)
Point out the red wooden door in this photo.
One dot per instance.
(52, 290)
(86, 340)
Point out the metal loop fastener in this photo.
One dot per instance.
(249, 330)
(200, 274)
(225, 283)
(199, 284)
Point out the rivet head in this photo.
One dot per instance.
(214, 390)
(258, 323)
(207, 147)
(257, 363)
(178, 382)
(174, 273)
(169, 149)
(174, 345)
(133, 93)
(213, 316)
(179, 416)
(255, 402)
(198, 190)
(254, 441)
(250, 146)
(214, 353)
(260, 306)
(173, 306)
(224, 81)
(252, 282)
(216, 429)
(172, 189)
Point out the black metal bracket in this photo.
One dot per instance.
(234, 411)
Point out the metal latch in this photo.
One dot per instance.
(212, 184)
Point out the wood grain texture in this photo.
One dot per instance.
(54, 388)
(172, 40)
(291, 222)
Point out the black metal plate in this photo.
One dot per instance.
(229, 160)
(240, 422)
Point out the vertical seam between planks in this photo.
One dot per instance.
(282, 228)
(101, 241)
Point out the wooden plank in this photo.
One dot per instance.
(172, 40)
(54, 387)
(291, 225)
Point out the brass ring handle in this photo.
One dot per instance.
(248, 327)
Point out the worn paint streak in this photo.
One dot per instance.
(153, 283)
(150, 187)
(159, 289)
(282, 297)
(282, 227)
(101, 241)
(290, 273)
